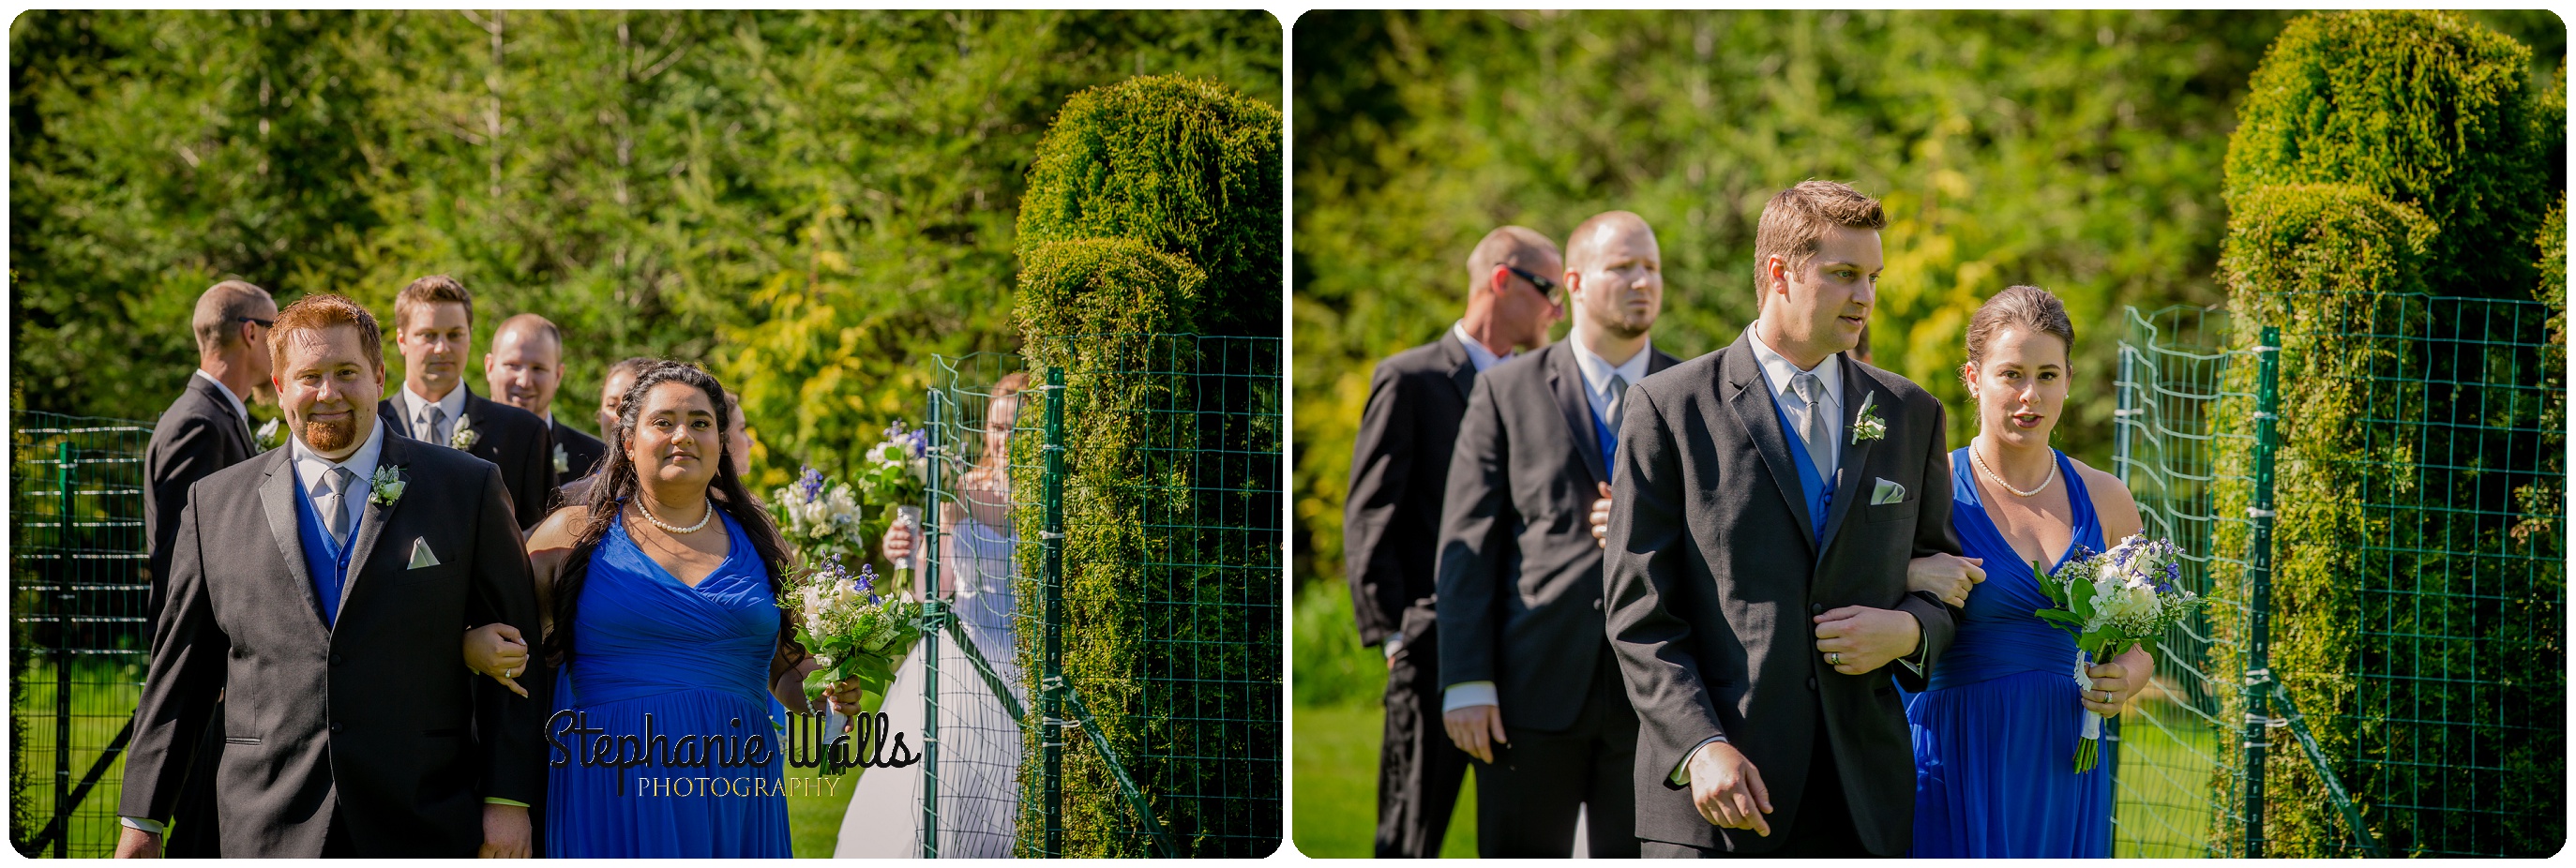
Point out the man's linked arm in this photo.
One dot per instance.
(1932, 534)
(504, 589)
(1643, 562)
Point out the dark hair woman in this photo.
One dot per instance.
(663, 591)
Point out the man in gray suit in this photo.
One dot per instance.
(1399, 473)
(1529, 686)
(1767, 499)
(321, 588)
(206, 430)
(434, 329)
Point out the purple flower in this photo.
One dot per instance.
(867, 578)
(811, 484)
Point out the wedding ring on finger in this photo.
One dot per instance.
(1834, 657)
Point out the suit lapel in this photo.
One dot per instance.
(1565, 381)
(1754, 408)
(1462, 367)
(390, 412)
(372, 524)
(1857, 390)
(277, 498)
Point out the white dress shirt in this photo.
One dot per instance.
(311, 467)
(1777, 371)
(239, 411)
(415, 408)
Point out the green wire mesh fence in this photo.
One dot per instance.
(1125, 511)
(80, 635)
(2396, 588)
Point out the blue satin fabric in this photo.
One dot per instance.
(697, 660)
(1995, 734)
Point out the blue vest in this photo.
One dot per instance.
(1820, 496)
(328, 563)
(1609, 442)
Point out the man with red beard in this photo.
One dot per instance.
(319, 588)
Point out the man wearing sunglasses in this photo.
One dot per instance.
(1399, 473)
(207, 429)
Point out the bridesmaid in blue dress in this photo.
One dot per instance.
(661, 593)
(1995, 732)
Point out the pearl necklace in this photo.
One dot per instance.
(1992, 476)
(676, 531)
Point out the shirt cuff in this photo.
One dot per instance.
(1468, 694)
(1681, 773)
(151, 826)
(1914, 662)
(1393, 644)
(497, 800)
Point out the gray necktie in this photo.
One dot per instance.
(335, 504)
(1812, 426)
(1618, 408)
(433, 424)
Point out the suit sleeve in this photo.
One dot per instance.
(1932, 534)
(195, 450)
(504, 590)
(534, 481)
(1381, 467)
(1642, 566)
(1476, 525)
(187, 672)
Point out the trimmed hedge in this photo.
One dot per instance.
(1186, 165)
(2424, 108)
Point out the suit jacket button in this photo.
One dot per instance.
(1596, 605)
(1815, 608)
(335, 659)
(1811, 685)
(335, 725)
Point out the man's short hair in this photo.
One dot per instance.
(434, 289)
(1795, 221)
(217, 321)
(322, 311)
(1509, 245)
(1579, 240)
(528, 323)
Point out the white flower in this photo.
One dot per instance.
(386, 486)
(563, 462)
(465, 437)
(269, 433)
(825, 659)
(1866, 424)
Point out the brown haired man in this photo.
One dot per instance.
(1767, 499)
(319, 589)
(1391, 520)
(434, 329)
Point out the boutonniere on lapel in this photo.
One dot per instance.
(269, 434)
(563, 463)
(1866, 425)
(465, 436)
(386, 487)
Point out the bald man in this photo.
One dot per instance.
(1529, 685)
(524, 370)
(207, 429)
(1399, 473)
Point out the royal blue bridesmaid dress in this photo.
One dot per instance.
(696, 659)
(1995, 731)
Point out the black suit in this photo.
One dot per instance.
(1390, 523)
(1520, 606)
(373, 726)
(581, 451)
(201, 433)
(515, 440)
(1714, 572)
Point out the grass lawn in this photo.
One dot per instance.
(1336, 775)
(2164, 793)
(814, 815)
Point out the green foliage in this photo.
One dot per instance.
(1333, 668)
(2417, 563)
(2072, 150)
(811, 202)
(1189, 166)
(1136, 235)
(2424, 108)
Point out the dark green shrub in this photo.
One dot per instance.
(1188, 166)
(2424, 108)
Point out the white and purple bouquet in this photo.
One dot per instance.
(892, 476)
(2111, 601)
(820, 518)
(850, 629)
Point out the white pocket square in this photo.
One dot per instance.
(1887, 492)
(420, 554)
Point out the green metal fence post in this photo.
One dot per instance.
(926, 571)
(62, 662)
(2258, 568)
(1051, 696)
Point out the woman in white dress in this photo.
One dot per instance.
(979, 743)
